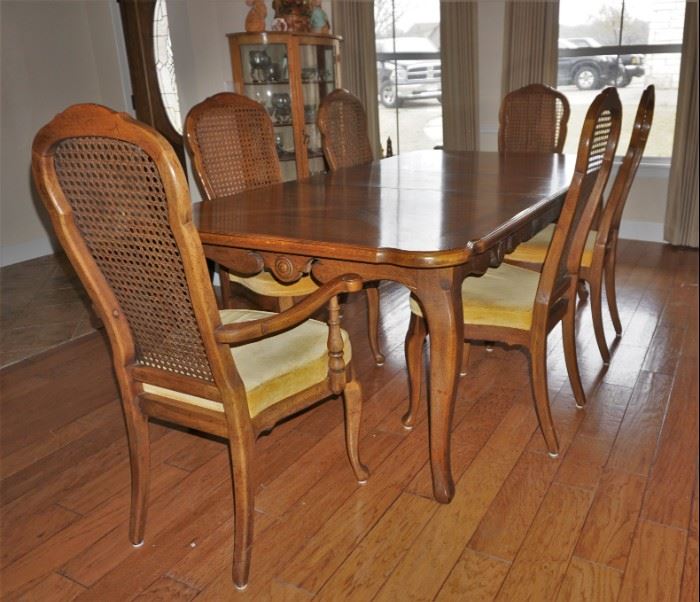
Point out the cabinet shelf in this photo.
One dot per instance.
(276, 83)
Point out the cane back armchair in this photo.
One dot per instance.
(119, 204)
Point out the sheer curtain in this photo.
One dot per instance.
(460, 83)
(681, 227)
(531, 33)
(354, 21)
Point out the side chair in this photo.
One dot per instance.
(533, 119)
(599, 255)
(231, 140)
(517, 306)
(343, 125)
(119, 203)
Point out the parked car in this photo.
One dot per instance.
(587, 72)
(632, 64)
(400, 80)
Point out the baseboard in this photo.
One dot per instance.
(32, 249)
(638, 230)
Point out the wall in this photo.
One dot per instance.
(54, 53)
(198, 31)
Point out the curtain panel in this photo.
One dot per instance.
(460, 78)
(354, 21)
(681, 224)
(531, 32)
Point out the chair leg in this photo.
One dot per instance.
(243, 510)
(582, 292)
(415, 339)
(610, 291)
(373, 323)
(597, 313)
(139, 458)
(353, 414)
(538, 379)
(225, 285)
(569, 338)
(465, 358)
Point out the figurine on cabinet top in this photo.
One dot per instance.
(279, 25)
(319, 18)
(255, 20)
(295, 13)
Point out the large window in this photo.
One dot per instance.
(629, 44)
(408, 73)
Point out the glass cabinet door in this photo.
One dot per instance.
(265, 70)
(289, 73)
(317, 79)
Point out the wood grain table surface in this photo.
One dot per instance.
(426, 219)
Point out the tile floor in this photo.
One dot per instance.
(42, 304)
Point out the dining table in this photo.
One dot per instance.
(427, 219)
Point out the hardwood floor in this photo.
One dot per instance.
(615, 517)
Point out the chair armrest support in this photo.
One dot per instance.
(244, 332)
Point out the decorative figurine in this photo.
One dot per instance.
(319, 18)
(255, 20)
(295, 13)
(282, 108)
(260, 62)
(279, 25)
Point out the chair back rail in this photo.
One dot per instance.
(612, 212)
(533, 119)
(596, 151)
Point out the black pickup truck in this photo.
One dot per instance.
(595, 71)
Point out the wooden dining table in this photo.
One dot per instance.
(427, 219)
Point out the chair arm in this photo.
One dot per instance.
(242, 332)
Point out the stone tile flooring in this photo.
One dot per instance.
(42, 304)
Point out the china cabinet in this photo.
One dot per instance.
(289, 73)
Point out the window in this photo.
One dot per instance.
(629, 44)
(165, 67)
(407, 37)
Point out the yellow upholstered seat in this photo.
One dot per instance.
(535, 249)
(267, 285)
(273, 368)
(501, 297)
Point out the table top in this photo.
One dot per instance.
(421, 208)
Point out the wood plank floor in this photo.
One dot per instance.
(615, 517)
